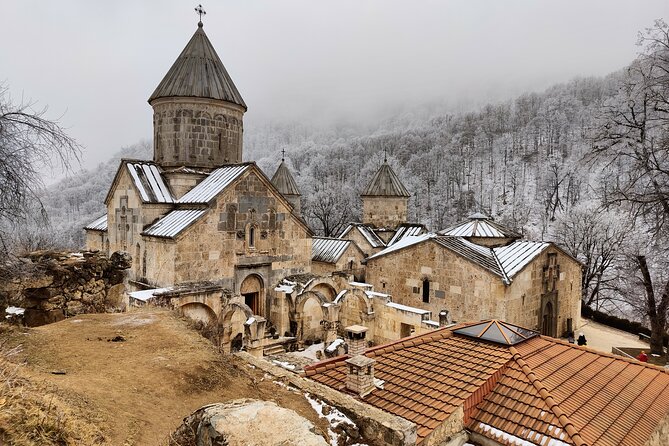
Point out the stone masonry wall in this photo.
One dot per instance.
(468, 292)
(384, 212)
(197, 132)
(52, 286)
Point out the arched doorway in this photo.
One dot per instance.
(253, 293)
(547, 321)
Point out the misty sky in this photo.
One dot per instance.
(98, 61)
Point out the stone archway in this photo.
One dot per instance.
(309, 316)
(198, 312)
(233, 320)
(355, 308)
(548, 321)
(252, 290)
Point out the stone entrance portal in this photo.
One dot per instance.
(253, 292)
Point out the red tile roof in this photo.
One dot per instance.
(542, 391)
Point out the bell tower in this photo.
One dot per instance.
(197, 110)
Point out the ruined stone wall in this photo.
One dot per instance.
(660, 437)
(523, 296)
(384, 212)
(197, 132)
(52, 286)
(390, 324)
(466, 290)
(355, 236)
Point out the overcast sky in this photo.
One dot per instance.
(98, 61)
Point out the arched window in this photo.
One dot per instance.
(252, 236)
(426, 291)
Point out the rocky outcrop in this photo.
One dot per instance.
(54, 285)
(246, 422)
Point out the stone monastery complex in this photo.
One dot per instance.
(461, 321)
(217, 238)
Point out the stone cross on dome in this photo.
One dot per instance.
(200, 11)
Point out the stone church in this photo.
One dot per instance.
(217, 238)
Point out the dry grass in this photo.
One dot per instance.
(34, 414)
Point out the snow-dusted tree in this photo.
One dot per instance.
(29, 143)
(596, 238)
(633, 140)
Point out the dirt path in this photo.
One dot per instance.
(141, 388)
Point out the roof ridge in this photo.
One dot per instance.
(422, 338)
(505, 276)
(607, 355)
(545, 395)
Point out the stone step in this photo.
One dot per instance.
(274, 350)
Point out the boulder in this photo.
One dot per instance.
(246, 422)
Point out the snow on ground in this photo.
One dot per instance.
(334, 416)
(310, 352)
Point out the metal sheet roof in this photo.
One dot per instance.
(386, 184)
(479, 225)
(149, 182)
(367, 232)
(406, 230)
(214, 184)
(174, 222)
(284, 181)
(328, 250)
(478, 254)
(99, 224)
(198, 72)
(514, 257)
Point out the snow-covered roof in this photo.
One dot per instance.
(99, 224)
(517, 255)
(174, 222)
(214, 184)
(403, 243)
(328, 250)
(504, 261)
(479, 225)
(407, 230)
(149, 182)
(367, 232)
(145, 295)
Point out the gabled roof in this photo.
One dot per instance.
(386, 184)
(367, 232)
(540, 391)
(283, 180)
(214, 184)
(329, 250)
(174, 223)
(146, 178)
(505, 261)
(479, 225)
(198, 72)
(99, 224)
(407, 230)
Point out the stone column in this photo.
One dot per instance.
(331, 321)
(254, 329)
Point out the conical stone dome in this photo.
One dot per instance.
(386, 183)
(283, 180)
(198, 72)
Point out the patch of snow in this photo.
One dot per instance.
(335, 417)
(378, 383)
(340, 296)
(407, 308)
(76, 321)
(431, 323)
(334, 345)
(310, 352)
(250, 321)
(145, 295)
(251, 366)
(285, 365)
(376, 294)
(14, 311)
(288, 289)
(361, 284)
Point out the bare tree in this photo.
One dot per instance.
(596, 238)
(29, 143)
(633, 139)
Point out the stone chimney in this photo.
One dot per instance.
(444, 318)
(355, 336)
(360, 376)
